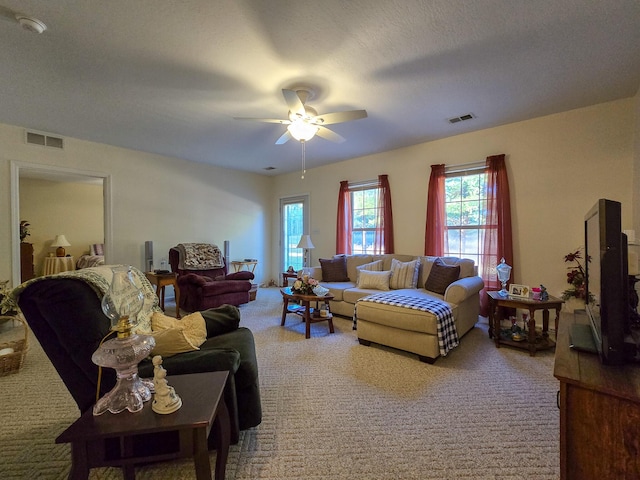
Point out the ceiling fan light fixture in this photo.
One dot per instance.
(301, 130)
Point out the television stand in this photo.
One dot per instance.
(599, 412)
(581, 338)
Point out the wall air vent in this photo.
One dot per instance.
(44, 140)
(462, 118)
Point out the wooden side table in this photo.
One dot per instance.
(286, 276)
(532, 342)
(305, 310)
(119, 440)
(161, 280)
(240, 264)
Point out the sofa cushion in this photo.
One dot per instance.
(354, 261)
(371, 267)
(441, 276)
(404, 274)
(374, 280)
(334, 269)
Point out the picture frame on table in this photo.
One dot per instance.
(519, 291)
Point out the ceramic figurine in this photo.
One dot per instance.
(544, 295)
(165, 399)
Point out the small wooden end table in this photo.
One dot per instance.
(305, 311)
(286, 276)
(532, 343)
(110, 440)
(250, 265)
(161, 280)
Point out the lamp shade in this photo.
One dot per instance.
(60, 241)
(305, 242)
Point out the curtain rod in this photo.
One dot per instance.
(465, 167)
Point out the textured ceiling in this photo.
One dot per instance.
(169, 76)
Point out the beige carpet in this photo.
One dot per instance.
(334, 409)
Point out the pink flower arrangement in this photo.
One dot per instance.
(304, 285)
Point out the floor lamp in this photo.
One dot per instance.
(305, 242)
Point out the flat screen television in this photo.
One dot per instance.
(607, 280)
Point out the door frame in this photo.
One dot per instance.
(18, 167)
(304, 199)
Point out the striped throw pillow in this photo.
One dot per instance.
(404, 274)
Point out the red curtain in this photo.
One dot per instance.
(497, 238)
(345, 225)
(436, 218)
(383, 240)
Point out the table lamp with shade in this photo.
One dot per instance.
(306, 243)
(60, 242)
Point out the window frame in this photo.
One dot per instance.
(374, 187)
(460, 172)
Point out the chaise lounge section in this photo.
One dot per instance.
(401, 279)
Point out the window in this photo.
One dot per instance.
(365, 220)
(294, 220)
(465, 211)
(365, 212)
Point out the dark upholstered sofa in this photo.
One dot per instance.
(202, 289)
(66, 317)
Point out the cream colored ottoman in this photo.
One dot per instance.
(406, 329)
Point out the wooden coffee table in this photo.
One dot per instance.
(305, 311)
(119, 440)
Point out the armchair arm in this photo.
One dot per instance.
(245, 275)
(198, 361)
(462, 289)
(193, 279)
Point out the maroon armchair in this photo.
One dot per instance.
(203, 289)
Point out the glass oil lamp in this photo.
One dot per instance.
(121, 304)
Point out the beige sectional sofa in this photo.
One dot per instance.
(404, 328)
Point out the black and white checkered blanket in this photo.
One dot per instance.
(447, 333)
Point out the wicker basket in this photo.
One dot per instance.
(12, 362)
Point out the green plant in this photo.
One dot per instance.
(577, 278)
(24, 230)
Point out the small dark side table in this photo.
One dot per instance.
(532, 343)
(126, 439)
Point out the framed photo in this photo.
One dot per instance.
(520, 291)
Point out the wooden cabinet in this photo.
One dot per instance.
(26, 262)
(599, 414)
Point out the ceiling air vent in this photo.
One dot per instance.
(462, 118)
(44, 140)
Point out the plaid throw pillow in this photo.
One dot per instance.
(441, 276)
(334, 269)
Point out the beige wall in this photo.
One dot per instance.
(51, 208)
(157, 198)
(558, 166)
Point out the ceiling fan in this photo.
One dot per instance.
(304, 122)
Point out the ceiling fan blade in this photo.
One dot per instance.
(329, 135)
(339, 117)
(286, 136)
(267, 120)
(293, 102)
